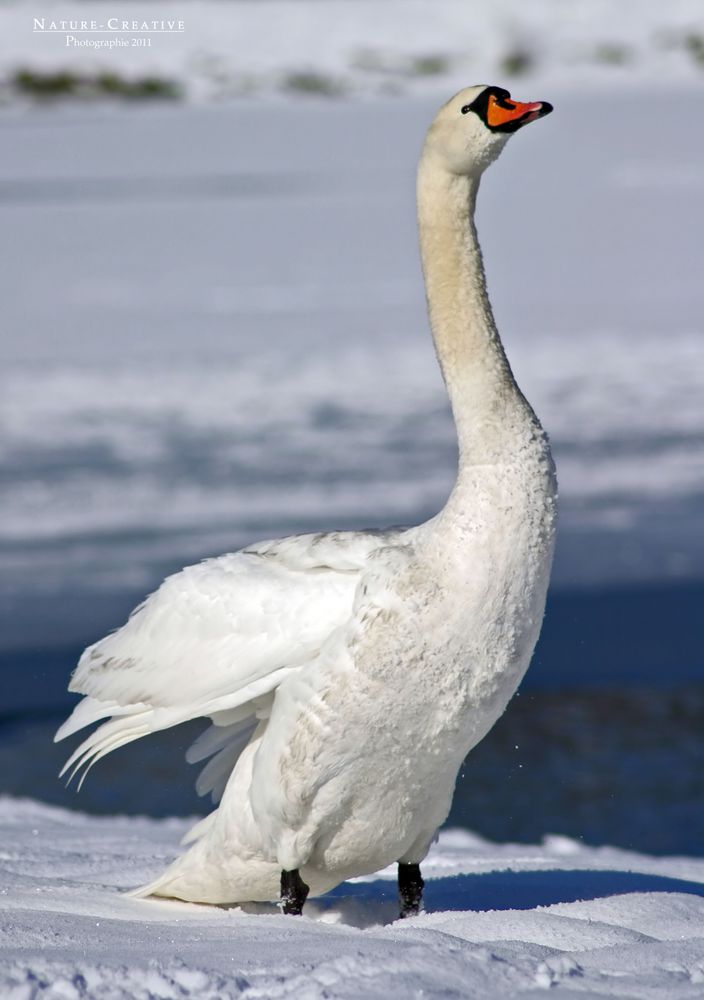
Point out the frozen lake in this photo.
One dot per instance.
(215, 332)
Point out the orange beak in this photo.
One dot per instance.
(501, 112)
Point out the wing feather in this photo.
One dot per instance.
(213, 778)
(214, 640)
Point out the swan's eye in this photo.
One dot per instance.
(467, 108)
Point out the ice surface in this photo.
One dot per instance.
(501, 920)
(215, 331)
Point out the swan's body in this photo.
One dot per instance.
(348, 674)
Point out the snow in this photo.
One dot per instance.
(184, 286)
(370, 48)
(501, 920)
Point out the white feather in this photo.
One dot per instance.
(347, 675)
(211, 641)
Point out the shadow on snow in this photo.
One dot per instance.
(363, 904)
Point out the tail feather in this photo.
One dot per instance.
(199, 829)
(151, 889)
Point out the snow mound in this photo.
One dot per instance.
(502, 920)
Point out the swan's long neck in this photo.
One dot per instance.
(487, 405)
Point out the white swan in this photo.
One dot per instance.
(348, 674)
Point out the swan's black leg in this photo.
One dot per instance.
(410, 889)
(293, 892)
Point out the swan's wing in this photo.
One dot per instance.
(343, 551)
(216, 640)
(222, 743)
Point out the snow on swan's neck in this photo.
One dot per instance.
(488, 407)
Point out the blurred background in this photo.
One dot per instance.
(214, 332)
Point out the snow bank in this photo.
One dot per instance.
(366, 47)
(502, 921)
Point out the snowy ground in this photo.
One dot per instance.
(501, 921)
(367, 47)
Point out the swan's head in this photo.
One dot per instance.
(469, 132)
